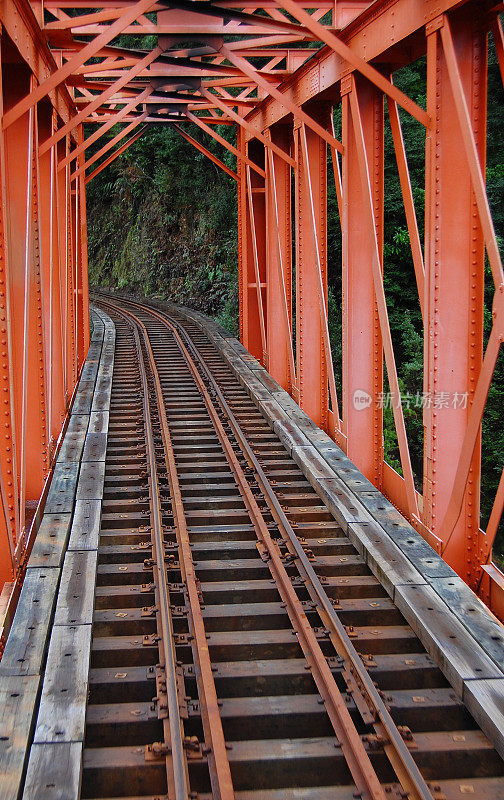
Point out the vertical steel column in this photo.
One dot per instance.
(256, 287)
(313, 392)
(241, 193)
(362, 341)
(67, 273)
(49, 256)
(279, 260)
(82, 257)
(74, 263)
(250, 323)
(454, 264)
(60, 265)
(26, 293)
(9, 516)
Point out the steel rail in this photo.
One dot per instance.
(176, 757)
(349, 739)
(357, 677)
(220, 772)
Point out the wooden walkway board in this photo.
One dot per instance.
(89, 371)
(334, 494)
(77, 423)
(386, 561)
(26, 644)
(95, 346)
(101, 401)
(290, 435)
(71, 448)
(485, 701)
(17, 700)
(312, 464)
(86, 386)
(60, 498)
(104, 381)
(95, 447)
(98, 422)
(444, 637)
(52, 537)
(85, 528)
(83, 402)
(91, 480)
(473, 614)
(62, 708)
(76, 594)
(94, 352)
(54, 772)
(106, 369)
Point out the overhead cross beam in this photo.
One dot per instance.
(356, 62)
(123, 112)
(232, 149)
(98, 101)
(281, 97)
(90, 50)
(252, 129)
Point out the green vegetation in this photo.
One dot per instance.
(162, 220)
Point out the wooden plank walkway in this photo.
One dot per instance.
(46, 660)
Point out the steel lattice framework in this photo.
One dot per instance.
(277, 70)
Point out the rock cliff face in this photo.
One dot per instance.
(162, 220)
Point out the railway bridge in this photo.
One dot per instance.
(214, 584)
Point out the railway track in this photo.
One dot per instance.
(264, 660)
(240, 646)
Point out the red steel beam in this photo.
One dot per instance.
(257, 219)
(355, 61)
(118, 117)
(281, 363)
(376, 266)
(9, 517)
(252, 129)
(311, 270)
(282, 98)
(80, 58)
(454, 263)
(98, 101)
(362, 339)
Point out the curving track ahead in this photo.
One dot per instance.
(241, 647)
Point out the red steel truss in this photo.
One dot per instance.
(276, 70)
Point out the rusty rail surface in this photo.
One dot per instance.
(295, 675)
(356, 678)
(241, 647)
